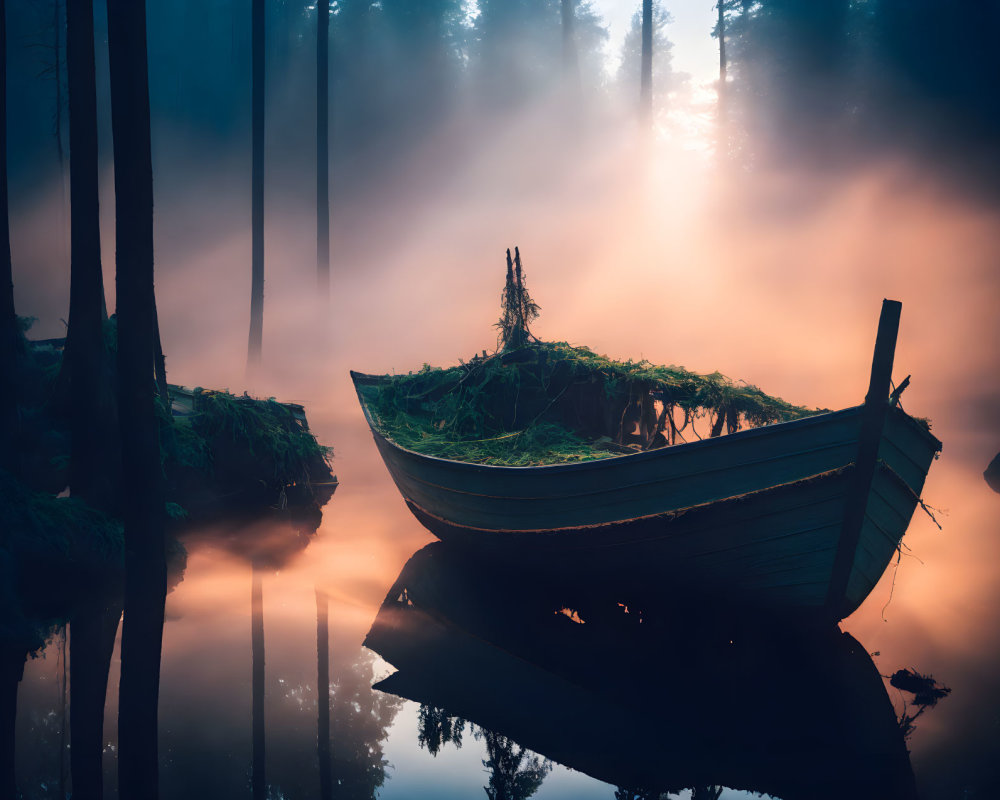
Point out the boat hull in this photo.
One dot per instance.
(754, 517)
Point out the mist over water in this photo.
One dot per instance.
(637, 246)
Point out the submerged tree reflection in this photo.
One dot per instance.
(359, 724)
(436, 728)
(515, 773)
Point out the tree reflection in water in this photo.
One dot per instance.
(515, 773)
(436, 728)
(697, 793)
(359, 725)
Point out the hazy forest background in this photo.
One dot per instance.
(448, 104)
(746, 217)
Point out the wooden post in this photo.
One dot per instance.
(872, 422)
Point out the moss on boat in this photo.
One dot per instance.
(552, 402)
(535, 402)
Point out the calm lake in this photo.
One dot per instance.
(611, 709)
(667, 706)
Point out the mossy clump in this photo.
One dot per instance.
(552, 402)
(268, 430)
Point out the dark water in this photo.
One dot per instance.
(523, 690)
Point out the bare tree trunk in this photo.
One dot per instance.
(57, 123)
(95, 456)
(61, 685)
(255, 346)
(722, 132)
(646, 75)
(9, 333)
(258, 778)
(92, 641)
(142, 484)
(323, 693)
(12, 660)
(323, 148)
(722, 47)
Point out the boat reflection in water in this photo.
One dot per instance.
(649, 700)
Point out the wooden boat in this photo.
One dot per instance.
(798, 517)
(668, 704)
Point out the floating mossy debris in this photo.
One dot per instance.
(267, 429)
(537, 402)
(226, 453)
(221, 453)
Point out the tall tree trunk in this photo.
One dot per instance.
(323, 148)
(93, 628)
(258, 777)
(142, 484)
(323, 693)
(723, 99)
(646, 75)
(61, 683)
(12, 660)
(57, 122)
(722, 47)
(95, 456)
(256, 341)
(9, 333)
(57, 67)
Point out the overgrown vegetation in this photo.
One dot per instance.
(551, 403)
(232, 451)
(538, 402)
(267, 430)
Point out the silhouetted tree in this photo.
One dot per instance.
(515, 774)
(10, 335)
(142, 484)
(663, 78)
(359, 724)
(93, 628)
(95, 458)
(323, 147)
(646, 76)
(436, 727)
(720, 27)
(58, 63)
(255, 346)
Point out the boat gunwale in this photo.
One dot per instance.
(665, 516)
(361, 379)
